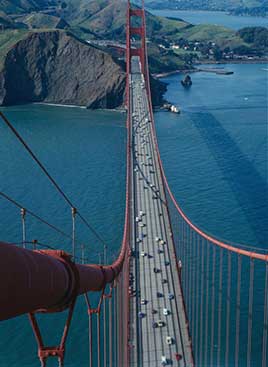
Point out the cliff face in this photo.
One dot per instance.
(54, 67)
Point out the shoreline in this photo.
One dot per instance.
(58, 105)
(226, 12)
(120, 110)
(207, 62)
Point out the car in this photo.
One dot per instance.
(169, 340)
(154, 325)
(157, 239)
(164, 281)
(137, 219)
(171, 296)
(178, 356)
(141, 315)
(160, 323)
(167, 263)
(159, 295)
(165, 312)
(162, 242)
(164, 361)
(141, 213)
(159, 251)
(156, 270)
(143, 301)
(141, 224)
(154, 311)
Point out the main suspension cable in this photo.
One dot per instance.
(52, 180)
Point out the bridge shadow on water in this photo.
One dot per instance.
(248, 186)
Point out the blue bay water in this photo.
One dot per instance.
(214, 17)
(214, 154)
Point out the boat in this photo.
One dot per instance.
(187, 82)
(174, 109)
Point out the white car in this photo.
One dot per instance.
(169, 340)
(165, 312)
(164, 361)
(143, 301)
(143, 254)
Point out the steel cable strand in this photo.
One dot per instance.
(14, 202)
(49, 176)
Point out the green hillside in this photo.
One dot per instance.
(107, 19)
(39, 20)
(224, 5)
(22, 6)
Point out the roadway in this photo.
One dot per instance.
(155, 286)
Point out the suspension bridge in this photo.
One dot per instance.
(174, 295)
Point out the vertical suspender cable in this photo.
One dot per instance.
(99, 326)
(228, 310)
(184, 259)
(238, 309)
(180, 238)
(193, 298)
(265, 319)
(90, 340)
(23, 214)
(120, 336)
(197, 305)
(219, 310)
(189, 241)
(74, 211)
(212, 308)
(111, 331)
(202, 299)
(116, 341)
(250, 308)
(187, 268)
(104, 316)
(99, 338)
(207, 304)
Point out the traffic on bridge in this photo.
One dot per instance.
(159, 333)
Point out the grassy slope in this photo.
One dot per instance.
(7, 40)
(206, 4)
(39, 20)
(20, 6)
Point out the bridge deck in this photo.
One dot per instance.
(153, 264)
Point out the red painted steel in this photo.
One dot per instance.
(34, 280)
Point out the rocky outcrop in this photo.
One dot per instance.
(55, 67)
